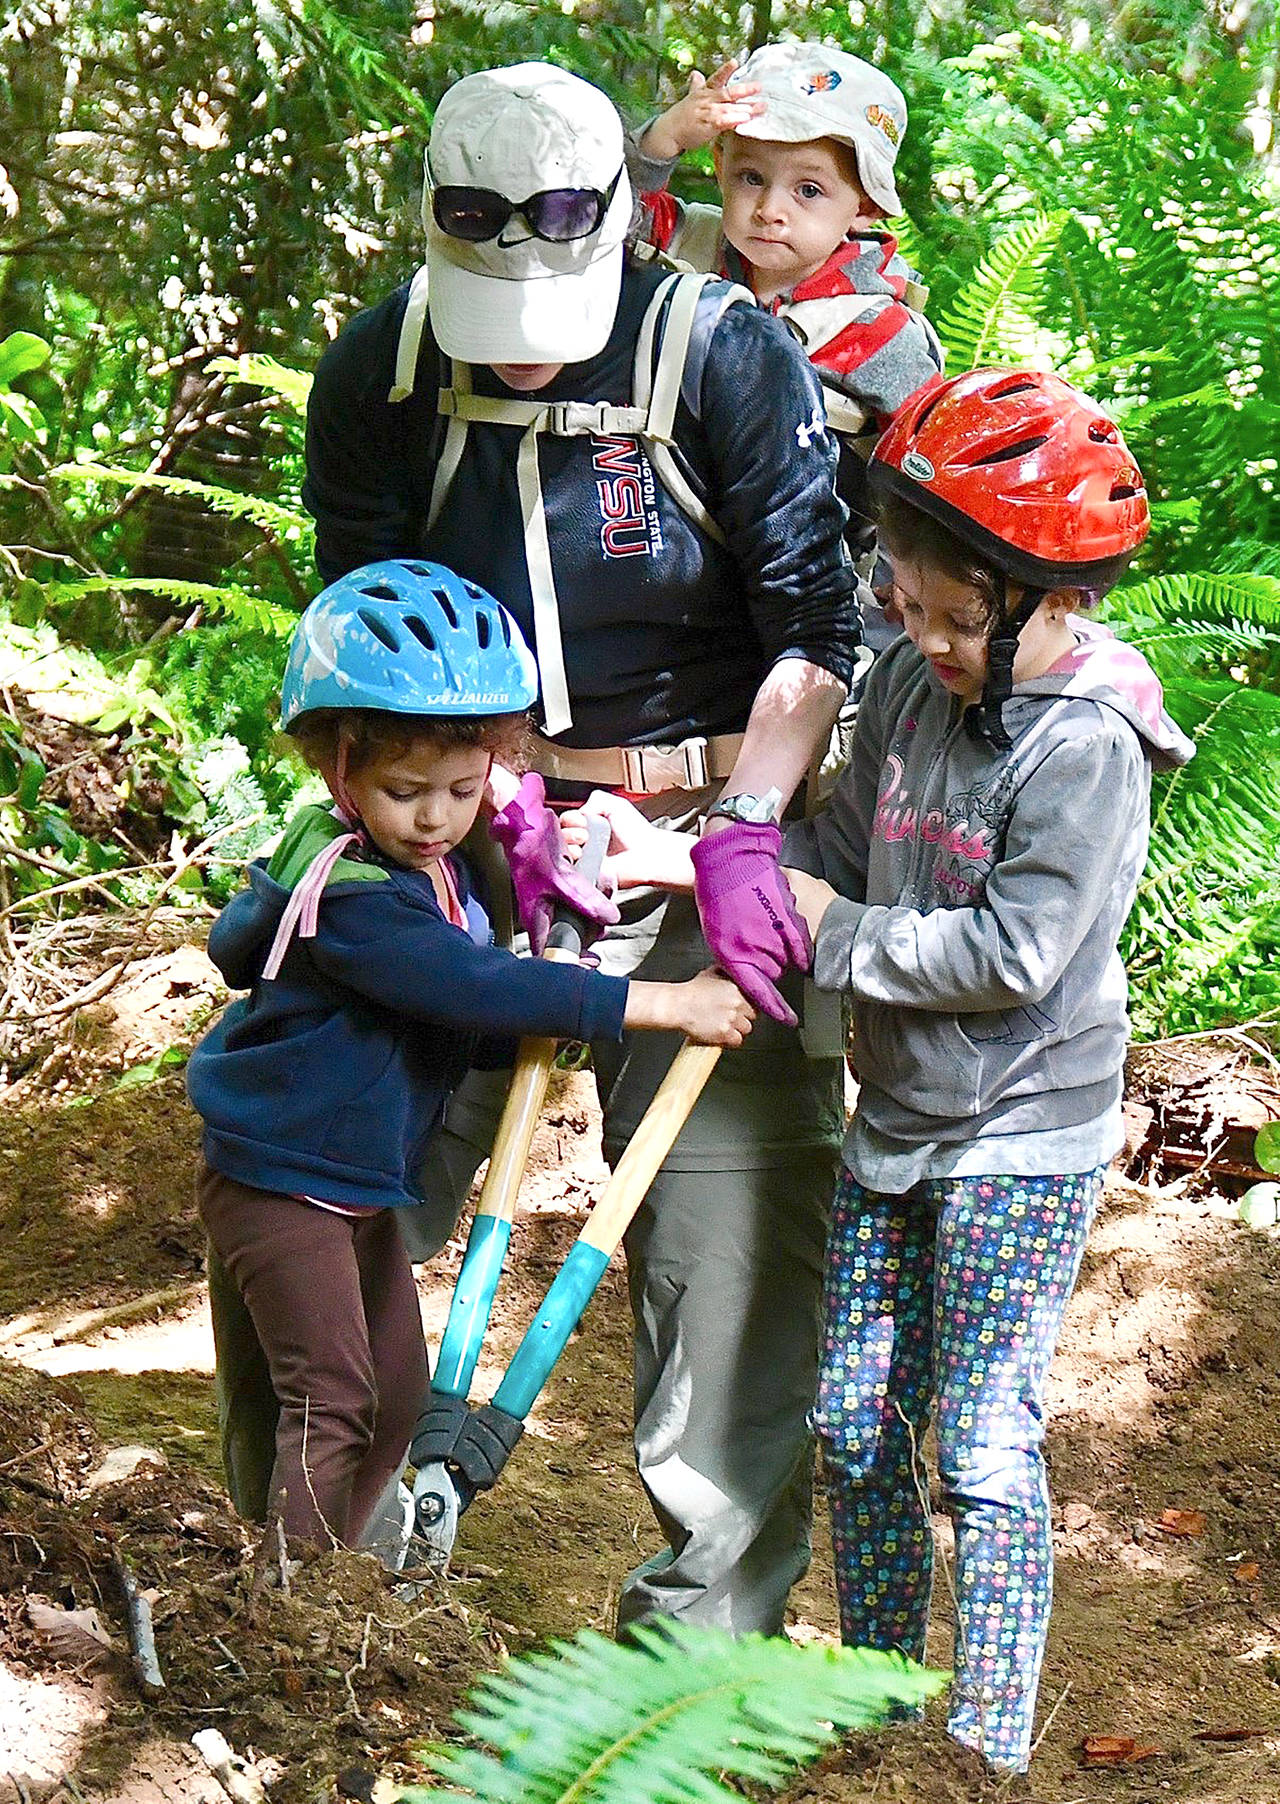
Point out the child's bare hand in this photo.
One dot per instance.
(714, 1010)
(714, 104)
(639, 852)
(813, 897)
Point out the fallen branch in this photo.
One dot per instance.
(20, 1459)
(90, 1321)
(95, 991)
(142, 1639)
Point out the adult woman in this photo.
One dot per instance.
(700, 662)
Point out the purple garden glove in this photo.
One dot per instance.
(541, 875)
(748, 912)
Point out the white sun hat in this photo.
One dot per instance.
(516, 297)
(812, 91)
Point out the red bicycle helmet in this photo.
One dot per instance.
(1031, 475)
(1024, 469)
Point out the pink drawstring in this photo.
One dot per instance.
(303, 907)
(302, 911)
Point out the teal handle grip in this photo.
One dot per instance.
(469, 1308)
(546, 1337)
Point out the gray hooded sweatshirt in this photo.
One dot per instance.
(981, 898)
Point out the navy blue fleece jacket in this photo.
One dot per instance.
(329, 1080)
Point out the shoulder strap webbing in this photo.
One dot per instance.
(410, 341)
(843, 413)
(698, 240)
(682, 356)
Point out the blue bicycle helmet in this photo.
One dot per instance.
(407, 637)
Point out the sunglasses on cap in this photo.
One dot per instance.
(556, 215)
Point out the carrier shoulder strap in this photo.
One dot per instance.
(692, 315)
(845, 416)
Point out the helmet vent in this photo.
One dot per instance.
(446, 607)
(484, 630)
(379, 628)
(378, 592)
(1019, 386)
(1102, 432)
(418, 569)
(1007, 453)
(1123, 491)
(475, 593)
(421, 631)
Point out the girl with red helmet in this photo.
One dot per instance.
(965, 888)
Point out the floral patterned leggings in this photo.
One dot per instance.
(954, 1293)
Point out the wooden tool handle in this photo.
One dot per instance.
(649, 1145)
(536, 1056)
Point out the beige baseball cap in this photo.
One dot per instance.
(812, 91)
(516, 298)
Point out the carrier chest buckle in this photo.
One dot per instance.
(649, 769)
(600, 419)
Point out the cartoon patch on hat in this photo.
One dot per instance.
(826, 81)
(884, 122)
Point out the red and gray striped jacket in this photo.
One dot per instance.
(853, 317)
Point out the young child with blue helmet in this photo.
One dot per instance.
(373, 985)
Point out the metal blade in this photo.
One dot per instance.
(437, 1508)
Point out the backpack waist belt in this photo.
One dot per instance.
(641, 769)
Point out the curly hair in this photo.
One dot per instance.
(371, 734)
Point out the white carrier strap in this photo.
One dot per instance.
(651, 418)
(410, 340)
(844, 415)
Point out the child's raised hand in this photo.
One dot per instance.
(639, 852)
(714, 104)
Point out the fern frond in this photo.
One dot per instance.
(1194, 594)
(237, 604)
(656, 1722)
(258, 371)
(280, 522)
(1002, 291)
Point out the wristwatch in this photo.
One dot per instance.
(748, 807)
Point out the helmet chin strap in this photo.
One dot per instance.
(337, 785)
(986, 721)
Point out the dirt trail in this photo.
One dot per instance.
(1165, 1396)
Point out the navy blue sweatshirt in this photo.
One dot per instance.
(329, 1080)
(666, 633)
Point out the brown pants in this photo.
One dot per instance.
(333, 1302)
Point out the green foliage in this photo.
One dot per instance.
(176, 738)
(252, 613)
(662, 1722)
(20, 418)
(292, 386)
(282, 522)
(994, 315)
(1203, 943)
